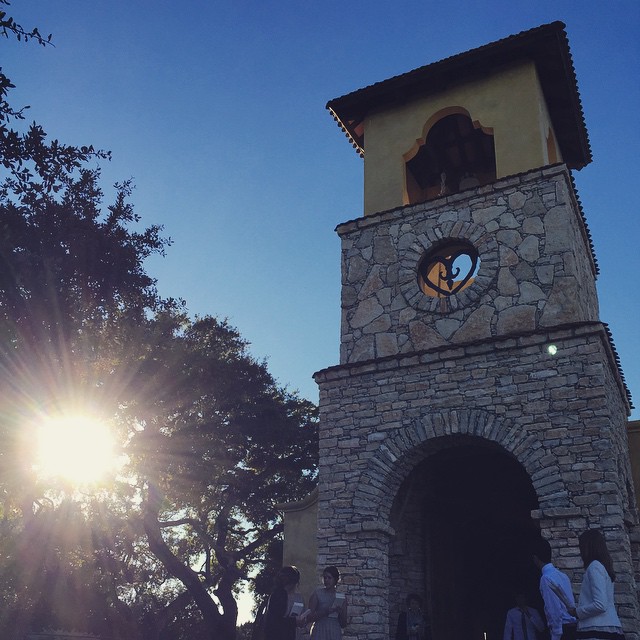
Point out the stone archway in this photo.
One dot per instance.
(403, 448)
(451, 489)
(463, 529)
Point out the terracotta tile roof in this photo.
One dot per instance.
(618, 363)
(547, 46)
(592, 249)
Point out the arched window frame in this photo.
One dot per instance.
(415, 192)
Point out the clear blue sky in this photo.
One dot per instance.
(216, 110)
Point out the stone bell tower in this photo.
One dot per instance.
(478, 402)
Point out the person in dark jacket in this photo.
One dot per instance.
(281, 616)
(412, 624)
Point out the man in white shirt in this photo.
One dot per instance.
(523, 622)
(556, 592)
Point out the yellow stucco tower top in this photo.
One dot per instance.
(499, 110)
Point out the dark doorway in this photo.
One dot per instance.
(472, 504)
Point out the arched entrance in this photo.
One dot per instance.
(464, 530)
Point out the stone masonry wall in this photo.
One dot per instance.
(536, 268)
(561, 417)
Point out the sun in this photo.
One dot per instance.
(78, 449)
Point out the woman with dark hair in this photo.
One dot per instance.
(328, 608)
(596, 612)
(281, 615)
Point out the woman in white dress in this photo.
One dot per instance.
(328, 608)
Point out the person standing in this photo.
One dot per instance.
(281, 617)
(596, 611)
(555, 589)
(523, 622)
(327, 608)
(412, 624)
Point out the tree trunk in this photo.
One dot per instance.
(221, 627)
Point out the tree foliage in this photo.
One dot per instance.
(221, 447)
(213, 443)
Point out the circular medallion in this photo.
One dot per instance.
(447, 267)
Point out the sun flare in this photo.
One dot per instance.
(78, 449)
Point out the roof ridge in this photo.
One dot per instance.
(557, 24)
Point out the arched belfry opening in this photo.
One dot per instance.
(463, 537)
(457, 154)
